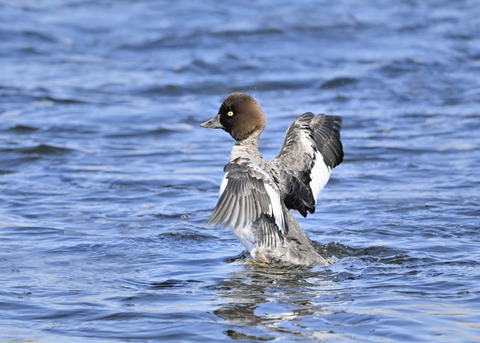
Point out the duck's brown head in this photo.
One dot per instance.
(240, 115)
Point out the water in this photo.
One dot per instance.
(106, 178)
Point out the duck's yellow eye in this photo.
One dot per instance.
(230, 113)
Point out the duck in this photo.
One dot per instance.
(257, 196)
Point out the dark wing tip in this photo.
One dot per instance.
(326, 130)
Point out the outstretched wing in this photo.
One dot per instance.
(247, 194)
(312, 148)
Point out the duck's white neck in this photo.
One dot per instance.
(247, 148)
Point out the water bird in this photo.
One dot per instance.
(256, 196)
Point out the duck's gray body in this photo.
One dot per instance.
(293, 247)
(256, 196)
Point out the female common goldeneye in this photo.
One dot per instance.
(257, 196)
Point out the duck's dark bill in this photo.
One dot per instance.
(213, 123)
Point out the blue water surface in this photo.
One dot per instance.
(107, 180)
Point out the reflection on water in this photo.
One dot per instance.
(289, 301)
(274, 298)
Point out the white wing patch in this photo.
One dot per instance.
(224, 183)
(319, 174)
(275, 206)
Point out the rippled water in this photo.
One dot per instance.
(106, 178)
